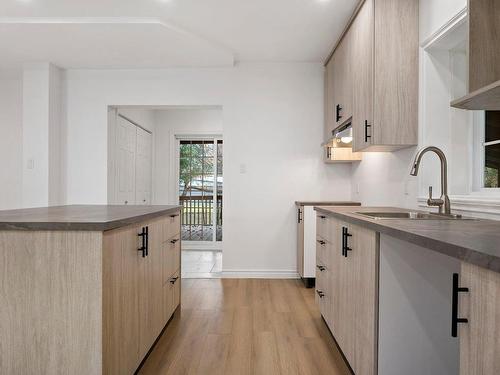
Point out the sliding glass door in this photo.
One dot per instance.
(201, 190)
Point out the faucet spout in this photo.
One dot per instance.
(444, 200)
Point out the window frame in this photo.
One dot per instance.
(479, 152)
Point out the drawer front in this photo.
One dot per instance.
(321, 250)
(172, 292)
(173, 225)
(322, 293)
(172, 256)
(176, 296)
(322, 225)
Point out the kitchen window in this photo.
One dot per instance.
(491, 149)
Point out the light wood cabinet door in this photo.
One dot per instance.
(484, 39)
(330, 120)
(361, 299)
(151, 309)
(362, 76)
(479, 337)
(395, 84)
(121, 283)
(342, 85)
(350, 284)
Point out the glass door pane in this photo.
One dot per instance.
(196, 186)
(219, 192)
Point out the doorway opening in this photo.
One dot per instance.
(200, 193)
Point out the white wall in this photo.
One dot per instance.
(383, 178)
(11, 152)
(273, 124)
(172, 122)
(141, 116)
(43, 133)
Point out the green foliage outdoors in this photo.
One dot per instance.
(196, 160)
(490, 177)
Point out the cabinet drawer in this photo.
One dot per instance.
(321, 250)
(172, 292)
(172, 256)
(322, 293)
(173, 225)
(322, 225)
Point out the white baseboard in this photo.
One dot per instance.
(259, 274)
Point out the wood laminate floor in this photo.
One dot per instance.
(245, 326)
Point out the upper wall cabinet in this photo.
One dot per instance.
(338, 87)
(385, 75)
(484, 57)
(377, 81)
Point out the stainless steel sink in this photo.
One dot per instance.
(412, 216)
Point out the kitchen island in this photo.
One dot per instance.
(86, 289)
(405, 292)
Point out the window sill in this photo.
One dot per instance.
(485, 206)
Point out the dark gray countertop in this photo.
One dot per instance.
(327, 203)
(84, 217)
(473, 241)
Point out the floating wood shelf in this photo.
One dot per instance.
(486, 98)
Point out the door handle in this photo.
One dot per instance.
(147, 240)
(173, 280)
(143, 242)
(174, 240)
(320, 293)
(321, 268)
(345, 236)
(366, 131)
(321, 242)
(455, 320)
(338, 108)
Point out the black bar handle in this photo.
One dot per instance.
(321, 268)
(343, 240)
(320, 293)
(338, 116)
(454, 306)
(299, 215)
(321, 242)
(173, 280)
(174, 240)
(322, 216)
(147, 241)
(174, 215)
(366, 131)
(143, 242)
(345, 236)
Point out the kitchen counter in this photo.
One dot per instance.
(80, 217)
(327, 203)
(474, 241)
(82, 280)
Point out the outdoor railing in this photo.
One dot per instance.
(197, 210)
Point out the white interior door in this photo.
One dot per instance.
(125, 160)
(143, 167)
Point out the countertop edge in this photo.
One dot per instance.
(465, 254)
(327, 203)
(85, 226)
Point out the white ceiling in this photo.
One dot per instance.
(166, 33)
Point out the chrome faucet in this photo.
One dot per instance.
(443, 201)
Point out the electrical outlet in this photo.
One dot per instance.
(31, 163)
